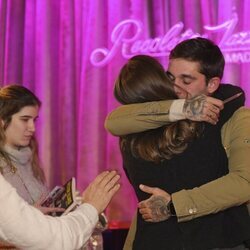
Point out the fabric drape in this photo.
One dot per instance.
(46, 45)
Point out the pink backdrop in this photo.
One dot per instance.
(46, 46)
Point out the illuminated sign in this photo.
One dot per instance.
(126, 37)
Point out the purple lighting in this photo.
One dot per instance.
(70, 53)
(160, 46)
(120, 35)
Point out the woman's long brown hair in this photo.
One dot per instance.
(143, 79)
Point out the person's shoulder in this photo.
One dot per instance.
(228, 88)
(240, 113)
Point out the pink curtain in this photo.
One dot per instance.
(46, 45)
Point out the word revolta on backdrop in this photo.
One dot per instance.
(125, 37)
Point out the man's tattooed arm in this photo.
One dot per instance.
(202, 108)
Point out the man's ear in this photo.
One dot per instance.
(213, 85)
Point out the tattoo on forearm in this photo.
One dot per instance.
(158, 206)
(194, 107)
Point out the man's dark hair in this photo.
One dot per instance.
(203, 51)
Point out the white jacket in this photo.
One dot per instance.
(27, 228)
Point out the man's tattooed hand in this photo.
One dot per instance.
(202, 108)
(194, 107)
(158, 206)
(155, 208)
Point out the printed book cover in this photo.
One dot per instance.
(62, 196)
